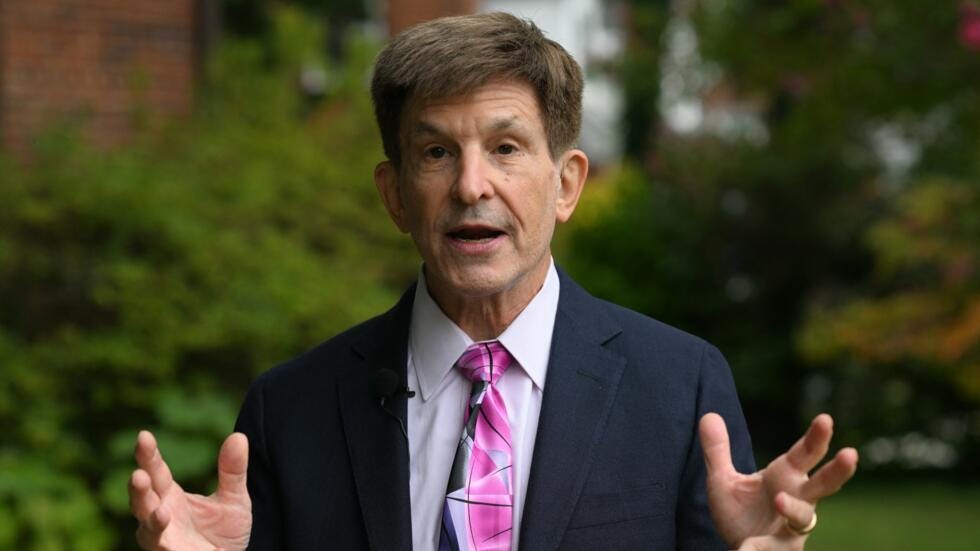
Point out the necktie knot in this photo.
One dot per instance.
(485, 361)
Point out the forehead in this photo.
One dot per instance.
(493, 102)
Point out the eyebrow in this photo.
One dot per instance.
(423, 127)
(496, 125)
(508, 123)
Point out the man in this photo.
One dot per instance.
(578, 417)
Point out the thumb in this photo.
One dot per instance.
(714, 444)
(233, 466)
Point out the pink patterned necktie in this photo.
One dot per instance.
(478, 513)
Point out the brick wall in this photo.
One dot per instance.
(104, 63)
(405, 13)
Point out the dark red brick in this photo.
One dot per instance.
(80, 59)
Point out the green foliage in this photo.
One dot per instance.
(639, 77)
(44, 508)
(927, 260)
(147, 286)
(810, 229)
(917, 329)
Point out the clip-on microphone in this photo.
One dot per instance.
(387, 385)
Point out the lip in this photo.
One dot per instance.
(475, 247)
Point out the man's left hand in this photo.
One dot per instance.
(777, 503)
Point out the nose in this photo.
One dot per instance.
(473, 181)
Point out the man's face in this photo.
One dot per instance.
(478, 189)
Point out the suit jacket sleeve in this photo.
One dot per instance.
(262, 486)
(716, 393)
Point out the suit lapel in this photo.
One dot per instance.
(378, 449)
(581, 385)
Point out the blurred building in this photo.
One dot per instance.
(110, 66)
(591, 31)
(401, 14)
(105, 65)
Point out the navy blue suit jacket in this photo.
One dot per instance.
(617, 463)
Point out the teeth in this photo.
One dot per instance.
(475, 235)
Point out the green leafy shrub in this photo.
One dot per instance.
(147, 286)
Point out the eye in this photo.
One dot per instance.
(506, 149)
(436, 152)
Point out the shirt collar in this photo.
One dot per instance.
(436, 342)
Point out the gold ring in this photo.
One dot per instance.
(805, 530)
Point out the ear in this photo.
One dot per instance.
(573, 170)
(386, 180)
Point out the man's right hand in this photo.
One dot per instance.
(172, 519)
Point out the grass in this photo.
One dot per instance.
(918, 515)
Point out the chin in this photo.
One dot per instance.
(481, 285)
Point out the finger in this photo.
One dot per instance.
(772, 543)
(829, 478)
(714, 443)
(149, 532)
(758, 543)
(148, 457)
(798, 512)
(233, 466)
(810, 449)
(142, 499)
(159, 520)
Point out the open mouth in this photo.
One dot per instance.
(475, 234)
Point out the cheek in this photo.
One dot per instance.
(419, 208)
(540, 214)
(548, 198)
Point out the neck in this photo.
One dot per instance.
(486, 317)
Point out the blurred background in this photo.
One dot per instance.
(186, 200)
